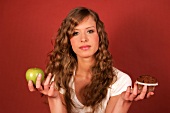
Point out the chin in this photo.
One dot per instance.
(86, 56)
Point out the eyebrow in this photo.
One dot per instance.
(87, 27)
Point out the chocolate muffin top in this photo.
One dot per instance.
(147, 79)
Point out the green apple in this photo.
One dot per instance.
(32, 73)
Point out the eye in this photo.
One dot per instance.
(90, 31)
(75, 33)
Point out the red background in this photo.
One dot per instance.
(138, 31)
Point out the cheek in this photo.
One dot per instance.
(96, 41)
(72, 41)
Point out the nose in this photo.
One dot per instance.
(84, 38)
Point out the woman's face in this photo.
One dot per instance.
(85, 39)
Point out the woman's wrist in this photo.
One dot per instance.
(125, 105)
(55, 104)
(122, 106)
(54, 99)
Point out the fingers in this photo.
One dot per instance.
(135, 95)
(47, 82)
(38, 86)
(149, 94)
(31, 86)
(38, 83)
(127, 93)
(52, 91)
(45, 88)
(142, 94)
(134, 92)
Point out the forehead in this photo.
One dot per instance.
(86, 22)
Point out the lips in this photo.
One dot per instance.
(86, 47)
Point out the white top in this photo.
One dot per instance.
(123, 81)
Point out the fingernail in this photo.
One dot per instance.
(152, 93)
(39, 75)
(29, 82)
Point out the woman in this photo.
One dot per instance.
(81, 77)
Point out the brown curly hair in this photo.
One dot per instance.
(63, 61)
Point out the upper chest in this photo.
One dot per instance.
(79, 85)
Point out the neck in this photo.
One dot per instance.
(84, 67)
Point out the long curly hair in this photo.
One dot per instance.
(63, 61)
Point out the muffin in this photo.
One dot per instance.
(148, 80)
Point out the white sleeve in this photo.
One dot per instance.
(123, 81)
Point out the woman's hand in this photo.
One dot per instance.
(46, 88)
(135, 95)
(126, 98)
